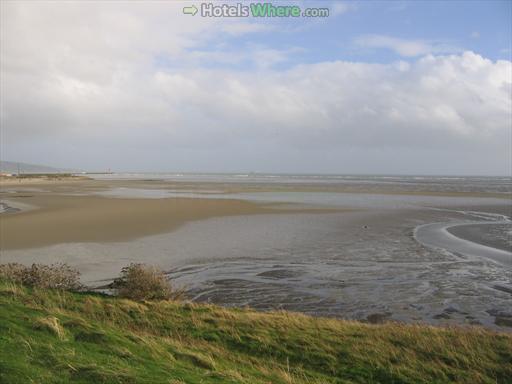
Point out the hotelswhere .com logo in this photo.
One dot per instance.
(253, 10)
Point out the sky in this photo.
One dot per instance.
(400, 87)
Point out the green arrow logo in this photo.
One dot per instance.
(190, 10)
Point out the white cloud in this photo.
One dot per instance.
(405, 47)
(90, 92)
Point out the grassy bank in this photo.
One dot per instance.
(49, 336)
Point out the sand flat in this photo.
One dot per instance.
(71, 210)
(64, 219)
(67, 218)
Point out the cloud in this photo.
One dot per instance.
(338, 8)
(405, 47)
(88, 94)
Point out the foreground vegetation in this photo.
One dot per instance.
(56, 336)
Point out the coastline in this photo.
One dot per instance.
(350, 255)
(70, 183)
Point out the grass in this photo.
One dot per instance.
(52, 336)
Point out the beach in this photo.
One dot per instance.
(65, 219)
(332, 247)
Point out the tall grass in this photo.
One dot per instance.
(55, 336)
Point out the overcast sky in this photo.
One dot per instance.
(376, 87)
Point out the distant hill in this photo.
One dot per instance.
(13, 167)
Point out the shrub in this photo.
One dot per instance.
(142, 282)
(58, 276)
(13, 272)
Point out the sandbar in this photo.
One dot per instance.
(67, 219)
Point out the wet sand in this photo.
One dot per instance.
(85, 184)
(67, 219)
(42, 212)
(475, 245)
(490, 235)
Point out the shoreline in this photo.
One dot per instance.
(98, 185)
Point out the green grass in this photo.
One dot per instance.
(61, 337)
